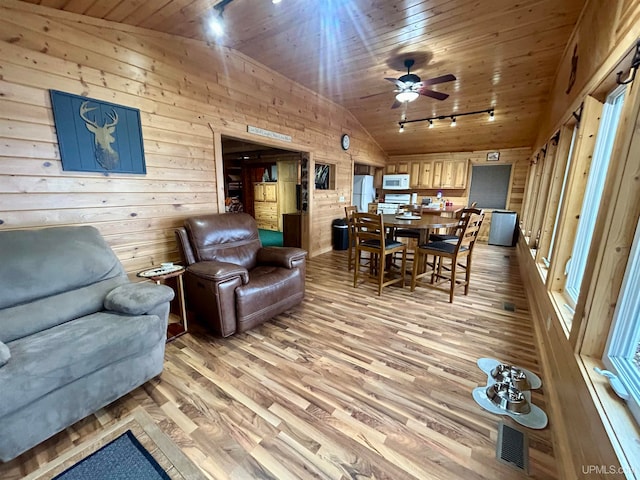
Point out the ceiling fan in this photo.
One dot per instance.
(410, 87)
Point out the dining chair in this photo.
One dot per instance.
(349, 210)
(371, 238)
(410, 233)
(453, 233)
(455, 252)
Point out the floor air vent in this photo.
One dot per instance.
(509, 307)
(513, 447)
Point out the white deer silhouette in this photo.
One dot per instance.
(106, 156)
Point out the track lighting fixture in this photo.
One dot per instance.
(453, 118)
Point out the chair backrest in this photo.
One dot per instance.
(472, 221)
(225, 237)
(368, 227)
(462, 214)
(349, 211)
(413, 208)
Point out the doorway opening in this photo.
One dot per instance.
(265, 182)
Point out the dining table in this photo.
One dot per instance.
(424, 223)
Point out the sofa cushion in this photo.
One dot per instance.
(137, 298)
(29, 318)
(53, 358)
(48, 261)
(5, 354)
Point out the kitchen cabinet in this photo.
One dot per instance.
(390, 169)
(460, 173)
(402, 167)
(426, 174)
(434, 174)
(436, 179)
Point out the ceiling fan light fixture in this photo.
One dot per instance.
(453, 121)
(408, 96)
(401, 128)
(492, 116)
(430, 123)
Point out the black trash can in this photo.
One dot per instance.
(340, 234)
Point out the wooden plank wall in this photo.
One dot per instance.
(605, 33)
(185, 90)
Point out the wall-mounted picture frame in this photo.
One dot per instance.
(97, 136)
(493, 156)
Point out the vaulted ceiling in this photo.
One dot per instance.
(504, 54)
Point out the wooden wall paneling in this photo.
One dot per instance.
(604, 35)
(180, 86)
(571, 408)
(576, 183)
(219, 169)
(543, 191)
(613, 235)
(552, 204)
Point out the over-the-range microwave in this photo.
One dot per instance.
(395, 182)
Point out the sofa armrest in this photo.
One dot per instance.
(219, 271)
(287, 257)
(137, 298)
(5, 354)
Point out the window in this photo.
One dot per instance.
(547, 259)
(593, 192)
(622, 354)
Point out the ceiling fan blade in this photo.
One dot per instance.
(430, 93)
(442, 79)
(373, 95)
(398, 83)
(396, 104)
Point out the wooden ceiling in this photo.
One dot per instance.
(503, 53)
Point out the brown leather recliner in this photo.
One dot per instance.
(233, 283)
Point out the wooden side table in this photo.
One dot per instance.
(174, 330)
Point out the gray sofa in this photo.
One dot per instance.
(75, 333)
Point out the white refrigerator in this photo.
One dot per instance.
(364, 192)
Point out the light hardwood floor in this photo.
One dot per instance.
(348, 385)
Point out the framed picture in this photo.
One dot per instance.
(97, 136)
(493, 156)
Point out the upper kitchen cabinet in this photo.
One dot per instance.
(433, 173)
(454, 174)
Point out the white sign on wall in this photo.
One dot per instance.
(268, 133)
